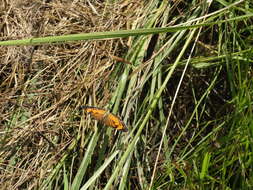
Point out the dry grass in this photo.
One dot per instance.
(42, 86)
(47, 142)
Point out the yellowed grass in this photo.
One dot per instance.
(41, 87)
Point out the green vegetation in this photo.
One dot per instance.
(178, 73)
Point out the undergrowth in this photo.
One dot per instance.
(185, 95)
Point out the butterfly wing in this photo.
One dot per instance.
(96, 113)
(105, 117)
(115, 122)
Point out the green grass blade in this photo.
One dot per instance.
(205, 166)
(113, 34)
(85, 162)
(99, 171)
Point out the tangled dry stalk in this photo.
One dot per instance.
(42, 86)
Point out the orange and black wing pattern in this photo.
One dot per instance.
(105, 117)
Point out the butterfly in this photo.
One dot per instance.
(105, 117)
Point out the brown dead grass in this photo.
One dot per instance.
(42, 86)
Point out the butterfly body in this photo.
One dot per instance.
(105, 117)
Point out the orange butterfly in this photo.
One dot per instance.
(105, 117)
